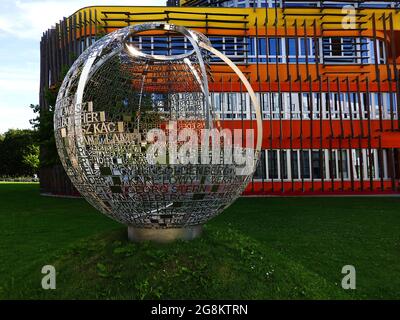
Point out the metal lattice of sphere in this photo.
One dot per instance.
(112, 97)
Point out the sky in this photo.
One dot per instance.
(22, 23)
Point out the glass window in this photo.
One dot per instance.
(274, 50)
(378, 4)
(240, 46)
(217, 101)
(217, 43)
(396, 163)
(336, 46)
(318, 164)
(348, 47)
(291, 49)
(305, 164)
(295, 164)
(341, 50)
(241, 4)
(177, 45)
(296, 3)
(272, 164)
(146, 43)
(233, 102)
(306, 105)
(262, 46)
(382, 52)
(160, 45)
(365, 52)
(283, 164)
(357, 164)
(260, 172)
(303, 49)
(229, 46)
(332, 164)
(343, 164)
(370, 164)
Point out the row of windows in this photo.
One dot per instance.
(331, 50)
(335, 50)
(346, 106)
(324, 164)
(312, 4)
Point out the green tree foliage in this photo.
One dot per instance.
(44, 124)
(19, 153)
(31, 158)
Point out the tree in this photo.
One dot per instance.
(44, 123)
(19, 153)
(31, 158)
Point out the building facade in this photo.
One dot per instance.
(325, 72)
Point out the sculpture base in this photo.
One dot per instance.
(164, 235)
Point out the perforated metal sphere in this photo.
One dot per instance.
(112, 98)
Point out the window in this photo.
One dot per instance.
(146, 44)
(216, 101)
(283, 164)
(272, 164)
(357, 168)
(378, 4)
(332, 164)
(274, 50)
(305, 105)
(232, 102)
(229, 46)
(317, 164)
(217, 43)
(251, 3)
(329, 164)
(291, 49)
(178, 45)
(338, 50)
(296, 105)
(395, 162)
(336, 47)
(277, 164)
(338, 164)
(381, 52)
(305, 49)
(260, 172)
(251, 50)
(233, 47)
(305, 164)
(294, 165)
(343, 164)
(365, 52)
(258, 49)
(160, 45)
(335, 50)
(296, 3)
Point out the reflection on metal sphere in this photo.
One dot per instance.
(138, 136)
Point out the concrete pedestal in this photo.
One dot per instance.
(164, 235)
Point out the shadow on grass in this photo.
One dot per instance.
(223, 264)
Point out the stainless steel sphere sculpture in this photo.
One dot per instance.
(140, 139)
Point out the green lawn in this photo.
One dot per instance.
(260, 248)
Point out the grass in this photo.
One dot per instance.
(260, 248)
